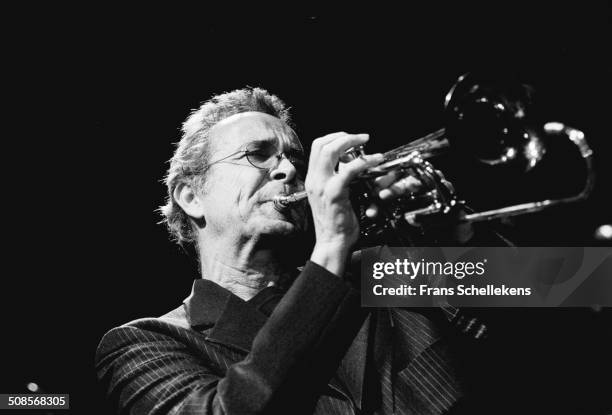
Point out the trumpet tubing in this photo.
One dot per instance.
(495, 122)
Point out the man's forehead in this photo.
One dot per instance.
(251, 126)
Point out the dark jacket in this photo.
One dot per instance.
(312, 349)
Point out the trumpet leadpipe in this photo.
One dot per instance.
(283, 201)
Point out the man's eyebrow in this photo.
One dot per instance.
(260, 141)
(263, 140)
(256, 141)
(274, 140)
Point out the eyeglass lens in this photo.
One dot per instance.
(266, 156)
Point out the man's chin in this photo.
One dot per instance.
(279, 225)
(283, 227)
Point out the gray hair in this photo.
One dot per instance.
(191, 157)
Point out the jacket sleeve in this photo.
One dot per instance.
(292, 358)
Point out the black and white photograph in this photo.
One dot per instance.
(308, 209)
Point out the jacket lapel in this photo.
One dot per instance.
(229, 320)
(353, 366)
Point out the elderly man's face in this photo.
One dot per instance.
(238, 197)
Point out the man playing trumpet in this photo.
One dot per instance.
(257, 334)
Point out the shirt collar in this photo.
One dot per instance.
(232, 320)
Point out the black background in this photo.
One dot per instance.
(95, 97)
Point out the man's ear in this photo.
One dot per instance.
(189, 200)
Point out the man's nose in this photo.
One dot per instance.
(285, 170)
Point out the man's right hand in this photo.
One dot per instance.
(336, 225)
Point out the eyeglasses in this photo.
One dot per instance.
(265, 156)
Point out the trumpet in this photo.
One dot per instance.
(488, 120)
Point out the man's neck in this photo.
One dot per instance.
(242, 268)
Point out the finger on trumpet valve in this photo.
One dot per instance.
(408, 184)
(352, 153)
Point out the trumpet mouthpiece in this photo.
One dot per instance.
(285, 201)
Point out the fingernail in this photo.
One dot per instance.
(385, 194)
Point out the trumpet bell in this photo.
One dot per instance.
(490, 121)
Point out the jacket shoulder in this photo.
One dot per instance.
(172, 325)
(176, 317)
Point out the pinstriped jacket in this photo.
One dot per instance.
(312, 349)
